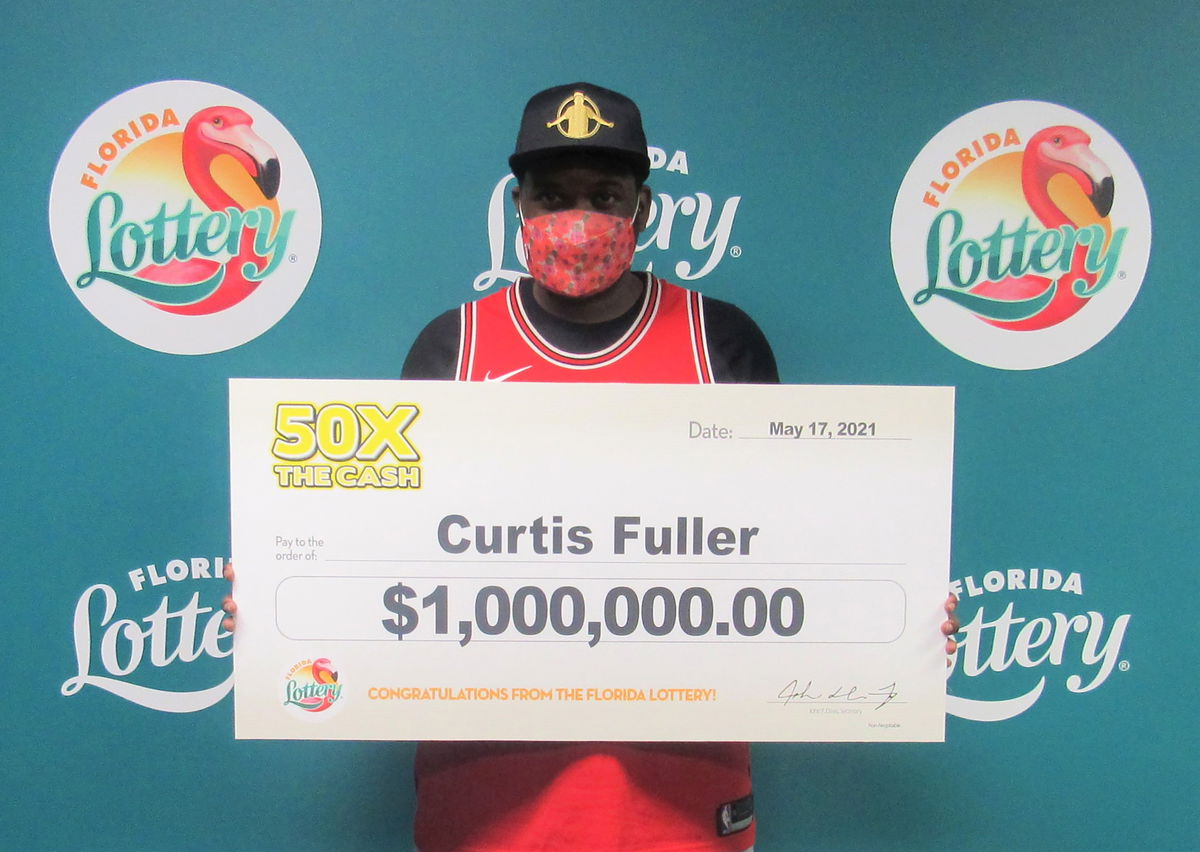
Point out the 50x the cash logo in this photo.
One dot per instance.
(185, 217)
(1021, 235)
(338, 445)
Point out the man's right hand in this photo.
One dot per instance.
(229, 604)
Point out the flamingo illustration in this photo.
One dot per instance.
(1064, 183)
(252, 182)
(323, 672)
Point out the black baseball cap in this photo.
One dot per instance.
(581, 117)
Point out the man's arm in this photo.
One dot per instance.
(434, 354)
(737, 348)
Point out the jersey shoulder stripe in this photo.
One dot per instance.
(699, 338)
(467, 322)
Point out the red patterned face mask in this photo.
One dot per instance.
(578, 252)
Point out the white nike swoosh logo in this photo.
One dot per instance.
(490, 378)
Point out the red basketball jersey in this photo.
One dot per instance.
(584, 797)
(665, 343)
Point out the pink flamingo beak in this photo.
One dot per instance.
(1083, 159)
(260, 159)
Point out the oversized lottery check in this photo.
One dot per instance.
(439, 560)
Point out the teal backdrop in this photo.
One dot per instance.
(116, 456)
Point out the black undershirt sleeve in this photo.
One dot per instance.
(737, 348)
(434, 354)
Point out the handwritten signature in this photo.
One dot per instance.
(843, 694)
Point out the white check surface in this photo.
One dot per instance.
(435, 560)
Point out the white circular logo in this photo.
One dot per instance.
(185, 217)
(312, 689)
(1021, 235)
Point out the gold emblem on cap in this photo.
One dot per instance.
(578, 117)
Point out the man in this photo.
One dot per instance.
(583, 315)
